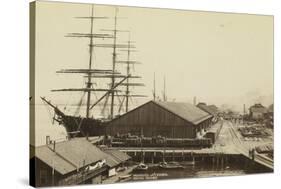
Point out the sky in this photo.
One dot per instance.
(221, 58)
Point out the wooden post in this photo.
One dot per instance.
(53, 173)
(217, 161)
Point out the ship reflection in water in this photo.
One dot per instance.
(188, 171)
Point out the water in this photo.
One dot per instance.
(198, 170)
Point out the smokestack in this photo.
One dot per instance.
(194, 100)
(164, 92)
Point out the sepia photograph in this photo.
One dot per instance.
(125, 94)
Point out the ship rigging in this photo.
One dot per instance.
(77, 126)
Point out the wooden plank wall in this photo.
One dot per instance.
(152, 120)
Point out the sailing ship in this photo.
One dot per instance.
(88, 125)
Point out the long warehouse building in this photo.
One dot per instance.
(168, 119)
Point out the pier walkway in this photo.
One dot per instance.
(229, 142)
(232, 140)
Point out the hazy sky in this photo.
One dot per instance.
(219, 58)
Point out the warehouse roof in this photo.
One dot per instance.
(117, 155)
(186, 111)
(214, 108)
(73, 154)
(206, 108)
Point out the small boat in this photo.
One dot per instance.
(120, 169)
(124, 177)
(141, 167)
(186, 163)
(170, 165)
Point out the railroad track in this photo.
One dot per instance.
(244, 151)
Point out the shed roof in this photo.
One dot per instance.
(214, 108)
(71, 155)
(117, 155)
(186, 111)
(207, 109)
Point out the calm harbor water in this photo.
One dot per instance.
(198, 170)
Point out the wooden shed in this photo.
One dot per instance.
(71, 162)
(169, 119)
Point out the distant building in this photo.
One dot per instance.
(212, 109)
(270, 108)
(269, 116)
(257, 111)
(72, 162)
(168, 119)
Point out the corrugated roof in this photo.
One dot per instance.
(186, 111)
(72, 154)
(118, 155)
(111, 161)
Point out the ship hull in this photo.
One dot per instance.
(82, 127)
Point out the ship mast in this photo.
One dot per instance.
(113, 64)
(128, 72)
(89, 83)
(112, 74)
(114, 46)
(90, 72)
(128, 64)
